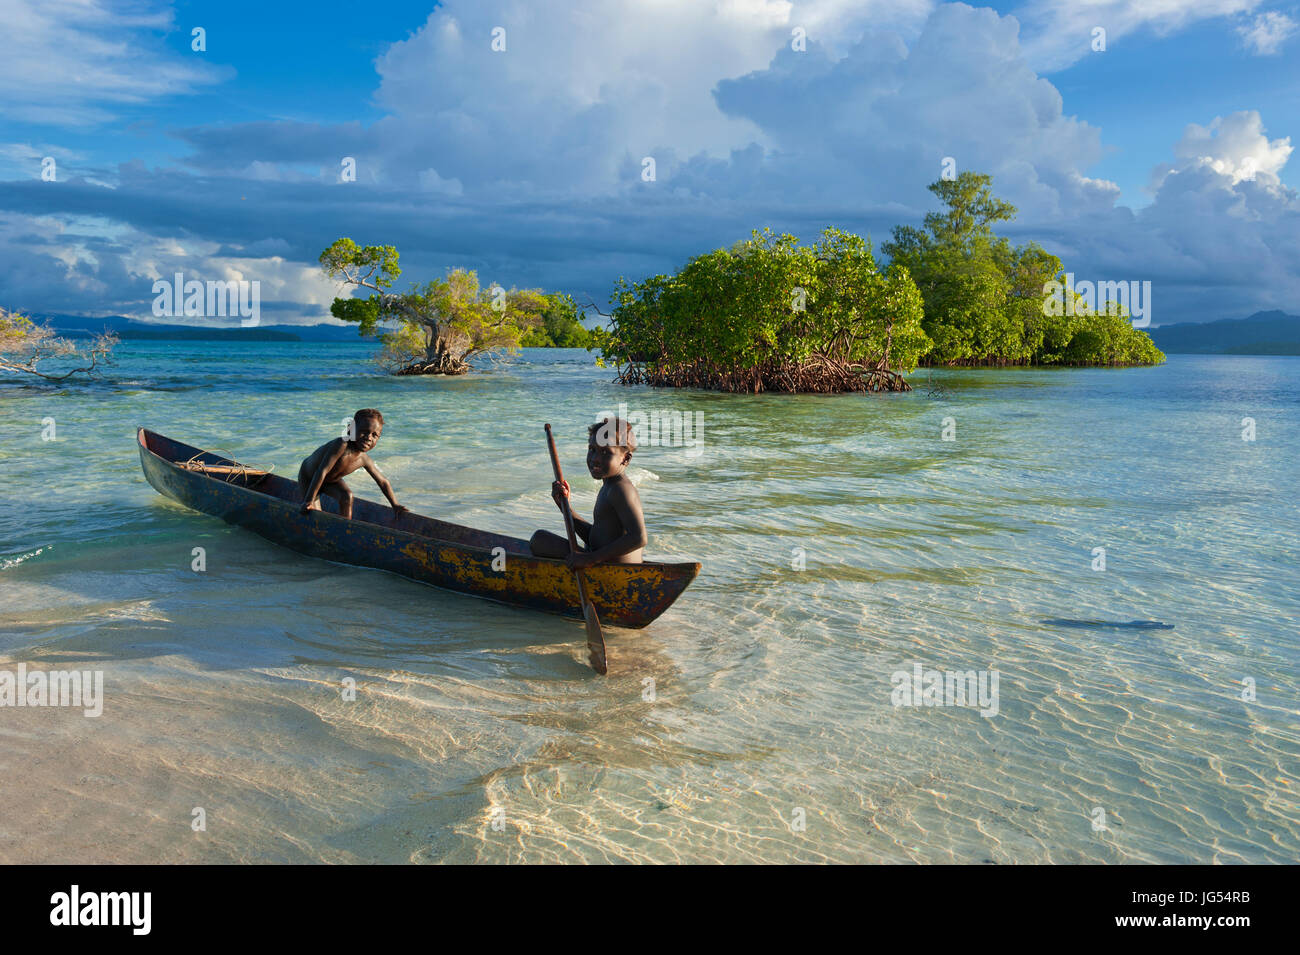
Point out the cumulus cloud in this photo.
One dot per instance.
(578, 96)
(577, 88)
(880, 121)
(526, 164)
(91, 265)
(1234, 146)
(1216, 242)
(430, 181)
(1265, 35)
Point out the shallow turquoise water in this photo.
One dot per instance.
(761, 700)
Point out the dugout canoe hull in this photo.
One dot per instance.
(433, 552)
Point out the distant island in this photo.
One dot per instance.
(133, 329)
(1264, 333)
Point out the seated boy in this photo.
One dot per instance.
(323, 471)
(617, 532)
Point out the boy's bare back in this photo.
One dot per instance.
(341, 464)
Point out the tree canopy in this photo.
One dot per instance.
(985, 299)
(560, 326)
(770, 314)
(441, 324)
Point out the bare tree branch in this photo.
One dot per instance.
(25, 344)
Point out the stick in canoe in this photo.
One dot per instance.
(228, 471)
(237, 469)
(595, 638)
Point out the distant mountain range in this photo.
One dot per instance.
(131, 329)
(1264, 333)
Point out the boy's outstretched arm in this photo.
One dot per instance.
(373, 470)
(318, 479)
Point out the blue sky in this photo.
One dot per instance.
(1163, 157)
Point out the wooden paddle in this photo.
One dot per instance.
(595, 638)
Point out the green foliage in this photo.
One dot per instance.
(372, 266)
(560, 326)
(984, 299)
(1104, 338)
(439, 325)
(15, 330)
(971, 210)
(769, 313)
(403, 347)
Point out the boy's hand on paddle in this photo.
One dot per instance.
(306, 508)
(560, 493)
(579, 561)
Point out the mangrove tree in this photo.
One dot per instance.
(439, 326)
(770, 314)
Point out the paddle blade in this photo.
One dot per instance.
(595, 640)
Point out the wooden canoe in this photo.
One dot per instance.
(432, 552)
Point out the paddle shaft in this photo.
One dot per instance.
(595, 637)
(564, 506)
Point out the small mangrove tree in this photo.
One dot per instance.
(440, 325)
